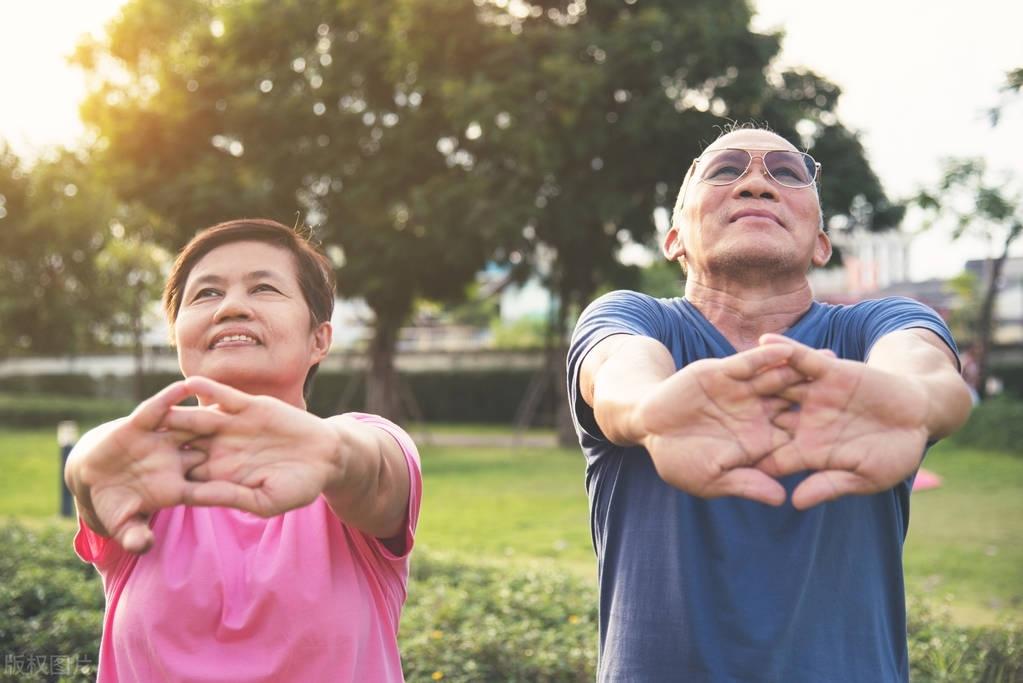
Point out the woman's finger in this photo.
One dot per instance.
(228, 399)
(197, 421)
(135, 536)
(149, 413)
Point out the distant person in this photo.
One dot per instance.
(245, 539)
(749, 451)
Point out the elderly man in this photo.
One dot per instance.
(749, 451)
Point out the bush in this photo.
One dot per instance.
(464, 621)
(38, 410)
(482, 622)
(941, 651)
(996, 424)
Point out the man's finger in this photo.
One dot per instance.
(796, 393)
(812, 363)
(749, 483)
(745, 365)
(787, 459)
(787, 420)
(149, 413)
(775, 406)
(228, 399)
(826, 485)
(770, 382)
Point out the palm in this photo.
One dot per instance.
(710, 423)
(263, 455)
(134, 468)
(859, 428)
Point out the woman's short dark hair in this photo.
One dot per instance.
(314, 270)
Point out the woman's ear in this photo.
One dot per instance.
(322, 337)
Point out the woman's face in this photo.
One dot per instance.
(244, 322)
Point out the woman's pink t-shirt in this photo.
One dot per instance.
(224, 595)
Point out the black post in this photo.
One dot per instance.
(67, 436)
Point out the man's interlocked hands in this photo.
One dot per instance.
(733, 426)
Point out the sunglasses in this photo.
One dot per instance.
(787, 168)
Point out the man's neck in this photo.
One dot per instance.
(742, 313)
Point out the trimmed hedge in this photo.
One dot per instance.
(491, 396)
(40, 410)
(464, 621)
(996, 424)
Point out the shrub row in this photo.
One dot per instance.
(40, 410)
(463, 622)
(491, 396)
(995, 424)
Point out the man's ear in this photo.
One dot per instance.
(821, 249)
(673, 247)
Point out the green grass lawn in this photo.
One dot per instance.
(965, 544)
(966, 538)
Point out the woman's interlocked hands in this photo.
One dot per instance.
(733, 426)
(253, 453)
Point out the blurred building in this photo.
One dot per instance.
(1008, 313)
(871, 262)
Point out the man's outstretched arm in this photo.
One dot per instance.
(920, 355)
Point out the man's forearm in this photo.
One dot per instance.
(912, 355)
(626, 376)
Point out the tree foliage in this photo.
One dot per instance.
(423, 138)
(975, 202)
(48, 236)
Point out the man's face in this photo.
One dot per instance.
(754, 225)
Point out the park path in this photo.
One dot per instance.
(499, 440)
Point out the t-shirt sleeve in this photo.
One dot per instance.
(875, 319)
(620, 312)
(95, 549)
(408, 448)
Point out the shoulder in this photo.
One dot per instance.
(404, 441)
(627, 307)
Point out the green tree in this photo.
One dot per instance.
(989, 207)
(52, 224)
(131, 273)
(280, 108)
(614, 101)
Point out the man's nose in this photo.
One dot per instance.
(756, 182)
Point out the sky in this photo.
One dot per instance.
(917, 78)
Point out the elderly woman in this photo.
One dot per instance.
(244, 539)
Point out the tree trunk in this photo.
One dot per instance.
(557, 358)
(138, 352)
(383, 395)
(987, 313)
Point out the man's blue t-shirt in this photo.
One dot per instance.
(730, 590)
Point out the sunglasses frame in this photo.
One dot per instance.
(763, 162)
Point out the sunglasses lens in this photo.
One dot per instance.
(792, 169)
(724, 166)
